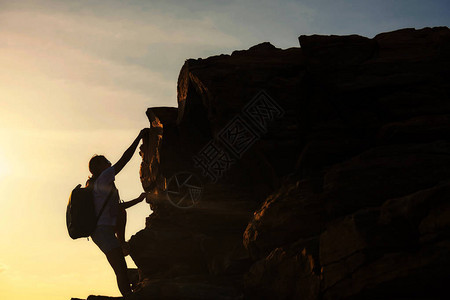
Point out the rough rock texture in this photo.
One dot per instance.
(207, 239)
(345, 195)
(371, 184)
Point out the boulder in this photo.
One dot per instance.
(414, 227)
(418, 274)
(323, 173)
(372, 177)
(283, 276)
(216, 97)
(382, 173)
(289, 215)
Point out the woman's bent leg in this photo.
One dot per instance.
(120, 231)
(120, 227)
(117, 261)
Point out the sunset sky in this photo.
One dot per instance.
(76, 78)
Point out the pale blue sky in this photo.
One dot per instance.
(215, 27)
(87, 49)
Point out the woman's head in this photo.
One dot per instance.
(98, 164)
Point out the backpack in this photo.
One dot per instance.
(81, 219)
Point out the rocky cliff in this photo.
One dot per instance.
(319, 172)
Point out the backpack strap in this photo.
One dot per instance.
(106, 201)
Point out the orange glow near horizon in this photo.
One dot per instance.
(58, 106)
(44, 167)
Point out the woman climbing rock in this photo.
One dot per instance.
(109, 234)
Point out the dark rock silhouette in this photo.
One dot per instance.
(374, 171)
(346, 196)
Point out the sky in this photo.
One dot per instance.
(76, 78)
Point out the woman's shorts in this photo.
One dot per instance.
(105, 238)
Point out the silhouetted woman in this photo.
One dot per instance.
(113, 218)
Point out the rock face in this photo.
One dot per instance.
(332, 183)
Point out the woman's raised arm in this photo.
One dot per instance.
(128, 154)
